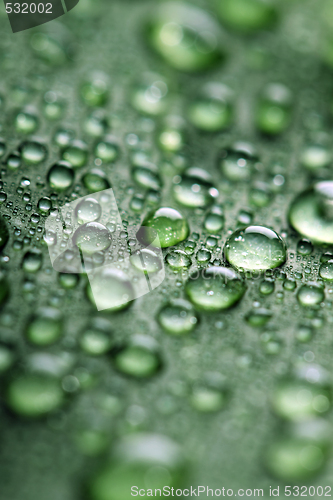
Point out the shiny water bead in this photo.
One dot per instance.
(171, 226)
(274, 109)
(60, 176)
(138, 358)
(32, 261)
(3, 197)
(4, 233)
(45, 328)
(14, 161)
(171, 137)
(311, 213)
(4, 289)
(289, 285)
(96, 124)
(247, 16)
(146, 260)
(107, 150)
(147, 176)
(150, 96)
(178, 317)
(68, 280)
(95, 342)
(53, 106)
(215, 288)
(186, 37)
(50, 50)
(203, 256)
(76, 153)
(95, 180)
(326, 270)
(214, 221)
(88, 210)
(113, 291)
(26, 122)
(255, 248)
(260, 195)
(292, 459)
(298, 400)
(92, 237)
(237, 163)
(94, 92)
(212, 110)
(178, 259)
(266, 287)
(33, 152)
(310, 295)
(44, 205)
(148, 461)
(2, 148)
(63, 137)
(315, 156)
(304, 247)
(34, 395)
(258, 317)
(194, 188)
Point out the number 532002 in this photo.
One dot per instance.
(32, 8)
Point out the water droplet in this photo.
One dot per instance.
(186, 37)
(311, 213)
(138, 358)
(95, 342)
(34, 395)
(88, 210)
(194, 188)
(207, 399)
(113, 290)
(45, 205)
(310, 295)
(266, 287)
(247, 16)
(304, 247)
(146, 260)
(95, 180)
(150, 96)
(171, 226)
(68, 280)
(258, 317)
(326, 270)
(255, 248)
(32, 261)
(212, 111)
(237, 163)
(94, 91)
(48, 49)
(26, 122)
(178, 317)
(107, 150)
(53, 106)
(274, 109)
(215, 288)
(96, 124)
(45, 328)
(33, 152)
(92, 237)
(76, 153)
(146, 175)
(60, 176)
(291, 459)
(315, 156)
(149, 461)
(178, 259)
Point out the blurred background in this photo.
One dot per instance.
(220, 112)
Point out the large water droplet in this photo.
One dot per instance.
(178, 317)
(171, 226)
(194, 188)
(185, 36)
(215, 288)
(255, 248)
